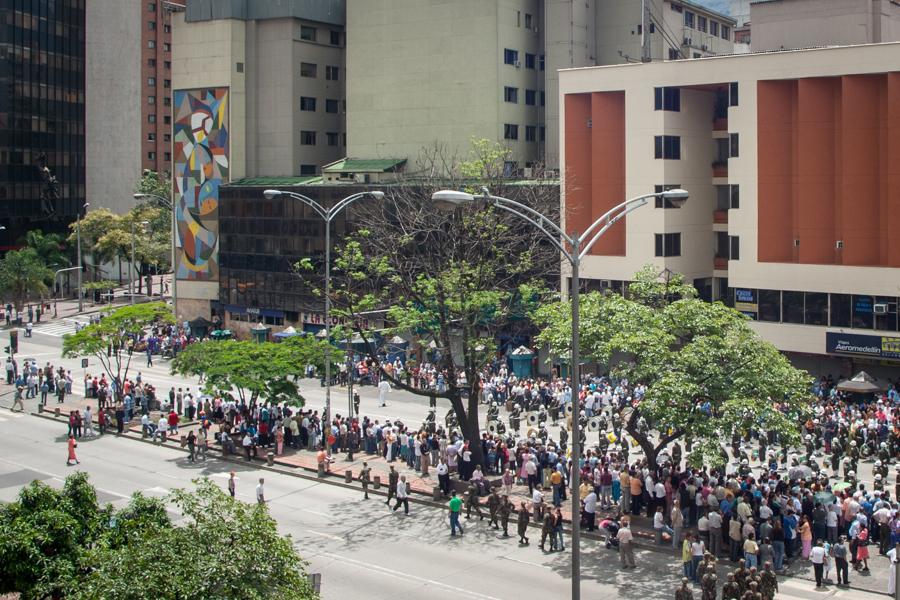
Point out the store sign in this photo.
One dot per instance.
(874, 346)
(745, 301)
(319, 319)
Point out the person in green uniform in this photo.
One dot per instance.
(505, 509)
(683, 592)
(522, 523)
(493, 503)
(472, 502)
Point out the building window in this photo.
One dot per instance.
(529, 21)
(770, 306)
(167, 137)
(332, 73)
(167, 83)
(863, 317)
(151, 62)
(530, 97)
(167, 47)
(529, 60)
(714, 28)
(307, 103)
(816, 309)
(667, 147)
(726, 32)
(688, 19)
(510, 57)
(675, 7)
(332, 138)
(840, 310)
(530, 133)
(510, 132)
(735, 193)
(511, 94)
(335, 38)
(151, 118)
(167, 120)
(308, 138)
(541, 62)
(151, 25)
(792, 307)
(543, 133)
(331, 106)
(308, 69)
(733, 94)
(664, 202)
(667, 98)
(307, 33)
(701, 23)
(307, 169)
(151, 81)
(151, 7)
(151, 156)
(734, 149)
(668, 244)
(734, 243)
(167, 156)
(167, 29)
(167, 64)
(542, 98)
(674, 54)
(151, 99)
(151, 44)
(886, 321)
(151, 137)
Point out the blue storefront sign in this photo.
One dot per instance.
(870, 346)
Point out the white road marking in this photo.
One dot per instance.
(315, 512)
(407, 576)
(525, 562)
(326, 535)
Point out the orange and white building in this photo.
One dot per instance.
(792, 160)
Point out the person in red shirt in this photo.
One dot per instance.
(173, 422)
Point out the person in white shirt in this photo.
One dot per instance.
(817, 557)
(402, 496)
(537, 502)
(626, 550)
(383, 389)
(260, 492)
(590, 509)
(892, 572)
(659, 525)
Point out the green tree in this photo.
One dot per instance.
(159, 187)
(151, 239)
(23, 276)
(108, 340)
(256, 371)
(709, 376)
(50, 248)
(94, 225)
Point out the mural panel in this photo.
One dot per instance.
(200, 163)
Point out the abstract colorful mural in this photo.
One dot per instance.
(200, 163)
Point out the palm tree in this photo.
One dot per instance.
(23, 275)
(50, 248)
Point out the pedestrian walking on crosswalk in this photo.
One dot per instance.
(72, 457)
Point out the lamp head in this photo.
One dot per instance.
(378, 195)
(140, 196)
(448, 200)
(271, 194)
(677, 196)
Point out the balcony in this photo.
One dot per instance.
(720, 216)
(720, 263)
(720, 168)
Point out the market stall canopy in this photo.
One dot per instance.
(200, 322)
(288, 332)
(396, 340)
(861, 383)
(259, 327)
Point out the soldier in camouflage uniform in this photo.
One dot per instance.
(708, 586)
(683, 592)
(522, 523)
(472, 502)
(740, 577)
(731, 590)
(752, 593)
(493, 503)
(547, 529)
(505, 509)
(768, 582)
(752, 576)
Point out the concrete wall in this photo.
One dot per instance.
(424, 73)
(113, 96)
(805, 23)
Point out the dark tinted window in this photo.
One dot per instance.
(792, 307)
(770, 305)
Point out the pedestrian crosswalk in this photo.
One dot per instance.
(56, 328)
(6, 415)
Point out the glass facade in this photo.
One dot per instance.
(42, 75)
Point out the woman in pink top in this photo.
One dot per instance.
(805, 532)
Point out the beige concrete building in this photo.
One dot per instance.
(786, 24)
(791, 162)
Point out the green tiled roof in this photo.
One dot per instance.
(360, 165)
(276, 181)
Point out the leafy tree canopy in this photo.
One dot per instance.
(708, 374)
(23, 276)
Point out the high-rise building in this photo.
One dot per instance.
(443, 72)
(258, 89)
(42, 111)
(129, 96)
(792, 161)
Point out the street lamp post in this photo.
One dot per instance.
(131, 266)
(327, 215)
(171, 205)
(78, 251)
(574, 248)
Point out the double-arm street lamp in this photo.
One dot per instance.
(574, 247)
(327, 216)
(78, 251)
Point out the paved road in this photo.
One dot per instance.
(355, 544)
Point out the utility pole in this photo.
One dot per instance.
(645, 32)
(78, 244)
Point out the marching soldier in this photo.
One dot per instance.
(731, 590)
(752, 593)
(393, 478)
(768, 585)
(472, 502)
(365, 476)
(740, 576)
(683, 592)
(504, 510)
(493, 503)
(522, 523)
(708, 586)
(547, 530)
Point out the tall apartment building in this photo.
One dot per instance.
(790, 24)
(791, 160)
(129, 96)
(258, 90)
(42, 110)
(446, 71)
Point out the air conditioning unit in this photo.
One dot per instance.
(687, 41)
(839, 244)
(528, 172)
(880, 308)
(517, 64)
(704, 47)
(796, 243)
